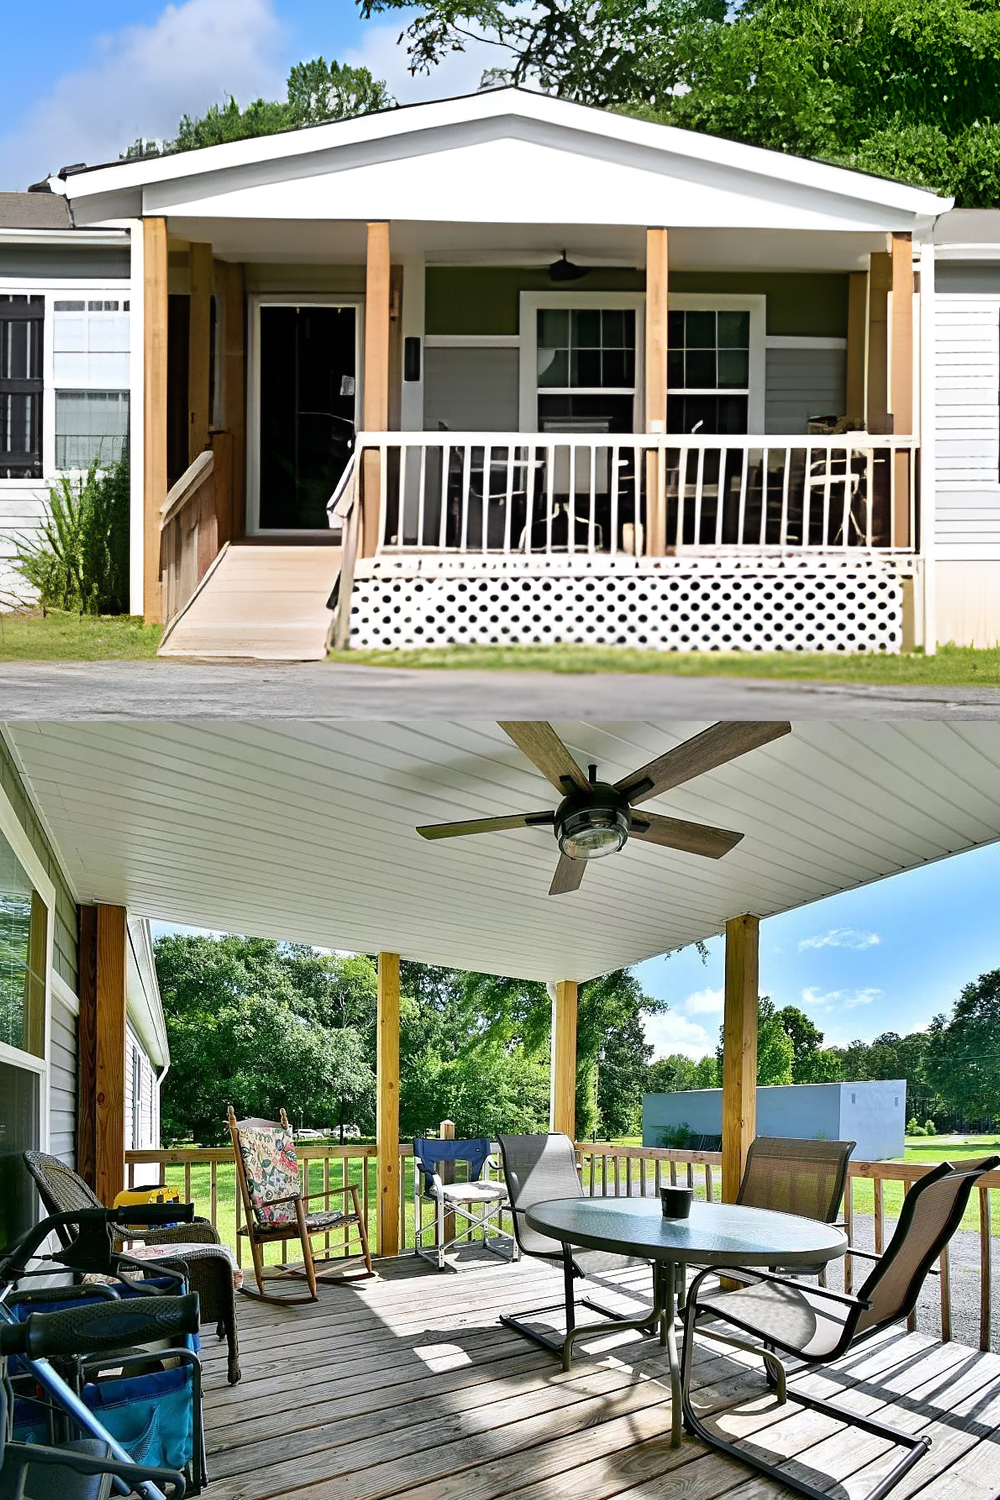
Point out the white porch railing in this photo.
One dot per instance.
(524, 494)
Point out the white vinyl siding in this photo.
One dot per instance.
(967, 419)
(63, 1083)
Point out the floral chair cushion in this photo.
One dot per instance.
(272, 1171)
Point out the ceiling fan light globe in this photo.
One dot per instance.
(592, 833)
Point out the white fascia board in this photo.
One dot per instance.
(143, 1004)
(60, 236)
(537, 110)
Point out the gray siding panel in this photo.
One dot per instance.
(62, 1084)
(967, 276)
(803, 383)
(471, 390)
(67, 260)
(65, 934)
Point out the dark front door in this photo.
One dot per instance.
(307, 383)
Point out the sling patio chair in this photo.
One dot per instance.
(275, 1210)
(818, 1326)
(210, 1266)
(538, 1169)
(792, 1176)
(477, 1203)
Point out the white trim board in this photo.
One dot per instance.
(802, 341)
(472, 341)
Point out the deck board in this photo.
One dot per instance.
(408, 1386)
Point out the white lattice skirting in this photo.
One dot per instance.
(668, 604)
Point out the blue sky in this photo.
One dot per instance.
(886, 958)
(81, 81)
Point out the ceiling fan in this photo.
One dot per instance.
(596, 818)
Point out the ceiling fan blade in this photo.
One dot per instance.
(674, 833)
(486, 825)
(569, 874)
(713, 747)
(545, 749)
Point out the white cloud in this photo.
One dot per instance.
(672, 1032)
(841, 937)
(144, 79)
(839, 999)
(704, 1002)
(385, 55)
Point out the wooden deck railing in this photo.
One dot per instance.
(195, 523)
(875, 1190)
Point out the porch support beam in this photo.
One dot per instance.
(154, 426)
(562, 1085)
(199, 349)
(739, 1050)
(377, 359)
(657, 275)
(877, 394)
(101, 1109)
(901, 381)
(857, 323)
(387, 1104)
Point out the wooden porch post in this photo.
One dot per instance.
(562, 1088)
(154, 456)
(877, 394)
(387, 1104)
(199, 349)
(739, 1054)
(857, 324)
(901, 381)
(376, 392)
(657, 269)
(101, 1107)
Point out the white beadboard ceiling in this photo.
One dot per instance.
(305, 830)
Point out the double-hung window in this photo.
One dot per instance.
(586, 369)
(708, 371)
(21, 351)
(90, 372)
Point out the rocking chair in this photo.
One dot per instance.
(275, 1208)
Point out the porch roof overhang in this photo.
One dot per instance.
(507, 156)
(305, 830)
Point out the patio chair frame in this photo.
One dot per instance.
(448, 1200)
(314, 1269)
(849, 1338)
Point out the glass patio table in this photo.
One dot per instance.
(726, 1235)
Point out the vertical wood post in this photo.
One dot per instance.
(154, 456)
(879, 286)
(657, 269)
(101, 1112)
(376, 392)
(901, 381)
(857, 330)
(562, 1088)
(739, 1050)
(199, 349)
(387, 1104)
(229, 281)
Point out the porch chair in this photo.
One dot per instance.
(819, 1327)
(792, 1176)
(538, 1169)
(210, 1266)
(274, 1204)
(478, 1202)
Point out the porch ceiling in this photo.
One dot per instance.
(343, 242)
(305, 830)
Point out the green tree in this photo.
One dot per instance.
(669, 1075)
(317, 91)
(775, 1049)
(962, 1062)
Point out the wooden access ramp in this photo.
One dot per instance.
(261, 601)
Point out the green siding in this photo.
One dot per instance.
(484, 299)
(65, 935)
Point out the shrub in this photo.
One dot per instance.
(678, 1136)
(80, 561)
(930, 1128)
(914, 1127)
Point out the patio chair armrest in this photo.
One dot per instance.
(870, 1255)
(327, 1193)
(198, 1232)
(753, 1275)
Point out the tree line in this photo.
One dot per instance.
(262, 1025)
(907, 89)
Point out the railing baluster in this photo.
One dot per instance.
(849, 1231)
(699, 495)
(550, 479)
(187, 1182)
(421, 495)
(786, 480)
(945, 1266)
(213, 1180)
(985, 1270)
(509, 496)
(571, 502)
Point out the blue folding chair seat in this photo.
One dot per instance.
(478, 1202)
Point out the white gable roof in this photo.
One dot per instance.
(504, 156)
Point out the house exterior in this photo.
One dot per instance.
(871, 1113)
(538, 372)
(49, 1010)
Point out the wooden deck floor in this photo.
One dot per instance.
(407, 1386)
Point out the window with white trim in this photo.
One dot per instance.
(708, 370)
(90, 370)
(586, 369)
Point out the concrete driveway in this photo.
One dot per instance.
(186, 689)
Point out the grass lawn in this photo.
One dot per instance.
(953, 666)
(29, 635)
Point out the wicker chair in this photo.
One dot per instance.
(274, 1205)
(208, 1264)
(818, 1326)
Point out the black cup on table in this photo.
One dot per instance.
(676, 1202)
